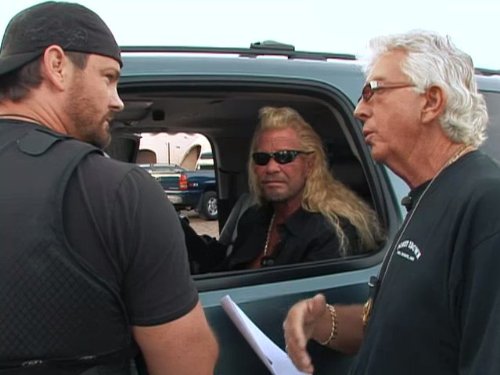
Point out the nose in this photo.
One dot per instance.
(116, 102)
(272, 166)
(360, 112)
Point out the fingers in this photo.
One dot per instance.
(295, 331)
(301, 360)
(298, 328)
(317, 306)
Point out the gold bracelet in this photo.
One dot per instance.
(333, 331)
(367, 311)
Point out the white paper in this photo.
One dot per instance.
(275, 359)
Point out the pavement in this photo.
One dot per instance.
(202, 226)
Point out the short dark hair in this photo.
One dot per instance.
(16, 85)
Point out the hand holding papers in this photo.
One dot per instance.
(273, 357)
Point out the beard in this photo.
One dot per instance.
(275, 196)
(282, 195)
(87, 117)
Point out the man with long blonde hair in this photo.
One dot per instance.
(301, 212)
(305, 212)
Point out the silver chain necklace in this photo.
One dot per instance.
(268, 237)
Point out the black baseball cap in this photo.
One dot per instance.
(71, 26)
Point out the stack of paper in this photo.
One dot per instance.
(275, 359)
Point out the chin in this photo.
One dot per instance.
(377, 154)
(275, 198)
(101, 142)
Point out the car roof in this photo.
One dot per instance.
(143, 64)
(268, 61)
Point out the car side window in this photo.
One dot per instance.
(227, 118)
(174, 159)
(491, 145)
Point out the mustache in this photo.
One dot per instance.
(109, 116)
(271, 180)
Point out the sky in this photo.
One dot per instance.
(312, 25)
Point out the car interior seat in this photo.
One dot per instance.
(229, 232)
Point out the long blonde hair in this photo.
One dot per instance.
(322, 193)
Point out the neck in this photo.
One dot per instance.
(283, 210)
(23, 117)
(430, 166)
(35, 109)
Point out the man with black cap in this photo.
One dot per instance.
(86, 271)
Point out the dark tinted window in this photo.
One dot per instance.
(206, 155)
(492, 144)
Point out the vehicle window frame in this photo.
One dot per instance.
(491, 145)
(351, 128)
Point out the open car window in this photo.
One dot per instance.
(226, 116)
(174, 160)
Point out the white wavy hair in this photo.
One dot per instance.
(433, 60)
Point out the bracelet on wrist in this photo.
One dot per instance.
(333, 331)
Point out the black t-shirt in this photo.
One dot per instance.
(122, 227)
(438, 308)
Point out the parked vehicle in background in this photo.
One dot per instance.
(187, 190)
(158, 170)
(218, 92)
(205, 161)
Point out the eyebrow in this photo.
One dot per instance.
(113, 72)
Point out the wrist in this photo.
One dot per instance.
(333, 326)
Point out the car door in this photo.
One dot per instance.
(220, 98)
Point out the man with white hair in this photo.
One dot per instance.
(433, 308)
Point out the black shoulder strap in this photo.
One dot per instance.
(38, 141)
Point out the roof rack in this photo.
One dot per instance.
(266, 48)
(487, 72)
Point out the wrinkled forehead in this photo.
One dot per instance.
(388, 66)
(282, 139)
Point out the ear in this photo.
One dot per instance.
(55, 66)
(434, 105)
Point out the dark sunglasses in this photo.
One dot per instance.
(280, 157)
(373, 86)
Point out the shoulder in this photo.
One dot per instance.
(476, 196)
(479, 177)
(472, 180)
(303, 221)
(101, 168)
(479, 165)
(113, 181)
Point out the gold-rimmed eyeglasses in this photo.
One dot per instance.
(372, 87)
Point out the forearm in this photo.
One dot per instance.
(195, 358)
(185, 346)
(349, 328)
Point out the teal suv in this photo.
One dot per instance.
(218, 92)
